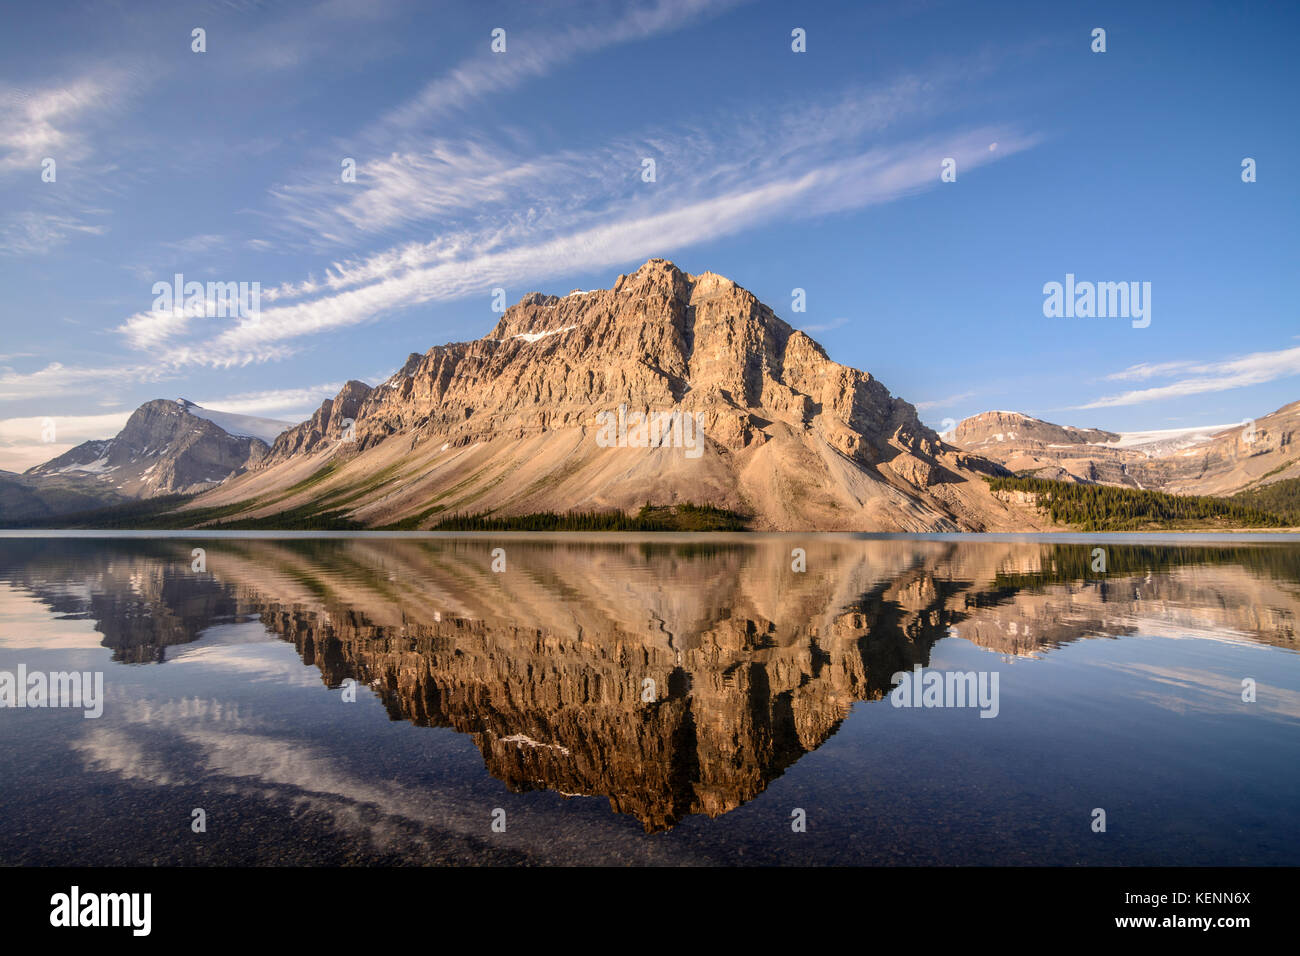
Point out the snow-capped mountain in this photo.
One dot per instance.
(166, 447)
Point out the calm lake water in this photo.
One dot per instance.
(660, 699)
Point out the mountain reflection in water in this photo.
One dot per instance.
(674, 677)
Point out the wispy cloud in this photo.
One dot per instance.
(823, 326)
(450, 187)
(534, 54)
(65, 122)
(944, 402)
(23, 440)
(1199, 378)
(288, 404)
(52, 121)
(306, 34)
(645, 228)
(1145, 370)
(56, 379)
(575, 210)
(202, 243)
(147, 330)
(33, 233)
(444, 179)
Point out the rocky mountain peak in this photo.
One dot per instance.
(509, 422)
(164, 448)
(333, 422)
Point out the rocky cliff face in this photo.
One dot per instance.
(1245, 456)
(163, 449)
(1059, 452)
(511, 423)
(330, 420)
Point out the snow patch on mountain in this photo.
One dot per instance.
(531, 337)
(1170, 439)
(243, 426)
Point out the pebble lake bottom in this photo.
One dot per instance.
(653, 699)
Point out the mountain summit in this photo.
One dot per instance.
(165, 447)
(511, 424)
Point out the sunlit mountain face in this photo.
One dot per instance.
(660, 699)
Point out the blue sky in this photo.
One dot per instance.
(523, 170)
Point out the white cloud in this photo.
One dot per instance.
(36, 123)
(306, 34)
(1145, 370)
(146, 330)
(31, 233)
(572, 210)
(823, 326)
(1254, 369)
(290, 404)
(449, 188)
(57, 379)
(642, 229)
(443, 178)
(22, 442)
(529, 56)
(202, 243)
(943, 402)
(59, 122)
(569, 211)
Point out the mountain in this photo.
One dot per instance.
(998, 428)
(25, 499)
(1207, 460)
(521, 421)
(1061, 452)
(166, 447)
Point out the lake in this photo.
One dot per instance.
(655, 699)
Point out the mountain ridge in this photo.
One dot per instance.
(510, 425)
(1207, 460)
(506, 423)
(166, 447)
